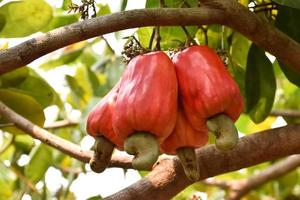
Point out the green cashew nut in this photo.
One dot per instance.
(103, 150)
(226, 133)
(144, 147)
(189, 162)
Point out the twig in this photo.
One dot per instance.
(218, 183)
(205, 34)
(107, 44)
(6, 125)
(157, 38)
(61, 124)
(285, 113)
(7, 145)
(54, 125)
(21, 176)
(151, 39)
(76, 171)
(240, 188)
(229, 13)
(63, 145)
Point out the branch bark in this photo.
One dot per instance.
(167, 177)
(63, 145)
(226, 12)
(240, 188)
(286, 113)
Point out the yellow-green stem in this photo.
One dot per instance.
(144, 147)
(189, 162)
(226, 133)
(103, 150)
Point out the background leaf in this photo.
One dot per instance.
(260, 84)
(40, 161)
(289, 3)
(25, 17)
(24, 105)
(15, 77)
(288, 22)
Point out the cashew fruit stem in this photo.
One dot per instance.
(189, 162)
(144, 147)
(226, 133)
(103, 150)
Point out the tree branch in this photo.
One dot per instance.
(226, 12)
(285, 113)
(167, 177)
(63, 145)
(240, 188)
(61, 124)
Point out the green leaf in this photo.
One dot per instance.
(144, 35)
(6, 182)
(289, 3)
(40, 161)
(152, 4)
(98, 197)
(287, 21)
(65, 5)
(114, 71)
(214, 36)
(15, 77)
(24, 105)
(38, 88)
(239, 49)
(25, 17)
(103, 9)
(77, 92)
(238, 59)
(123, 5)
(24, 143)
(172, 36)
(94, 82)
(260, 86)
(2, 21)
(61, 20)
(65, 58)
(26, 80)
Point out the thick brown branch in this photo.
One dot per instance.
(167, 178)
(26, 52)
(226, 12)
(63, 145)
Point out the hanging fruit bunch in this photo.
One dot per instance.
(169, 106)
(208, 93)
